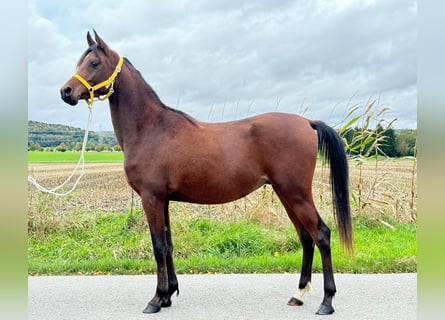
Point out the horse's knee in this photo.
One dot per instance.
(306, 240)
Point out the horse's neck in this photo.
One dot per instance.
(134, 108)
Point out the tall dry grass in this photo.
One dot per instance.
(378, 192)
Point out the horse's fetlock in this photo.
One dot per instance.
(330, 290)
(172, 288)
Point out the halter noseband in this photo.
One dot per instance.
(107, 84)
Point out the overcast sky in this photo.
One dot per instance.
(224, 60)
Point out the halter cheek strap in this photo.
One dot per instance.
(108, 84)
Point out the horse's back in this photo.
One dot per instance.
(275, 128)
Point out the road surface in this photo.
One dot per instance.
(238, 296)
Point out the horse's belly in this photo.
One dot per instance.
(209, 192)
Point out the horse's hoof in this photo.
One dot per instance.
(294, 302)
(151, 309)
(325, 310)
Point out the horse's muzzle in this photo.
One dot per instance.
(66, 94)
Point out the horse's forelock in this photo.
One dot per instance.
(92, 48)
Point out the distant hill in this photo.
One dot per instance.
(51, 135)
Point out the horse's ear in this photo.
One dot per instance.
(89, 39)
(100, 42)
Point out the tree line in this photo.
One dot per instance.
(56, 137)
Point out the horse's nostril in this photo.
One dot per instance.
(67, 91)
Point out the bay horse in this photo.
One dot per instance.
(170, 156)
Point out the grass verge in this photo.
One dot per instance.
(119, 243)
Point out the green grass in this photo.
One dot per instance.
(119, 243)
(73, 156)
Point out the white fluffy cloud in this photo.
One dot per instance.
(223, 60)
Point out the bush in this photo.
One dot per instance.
(62, 147)
(35, 147)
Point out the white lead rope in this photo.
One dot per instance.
(80, 162)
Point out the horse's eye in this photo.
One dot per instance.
(94, 63)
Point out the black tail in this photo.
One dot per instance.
(332, 147)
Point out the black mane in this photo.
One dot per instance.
(182, 113)
(92, 48)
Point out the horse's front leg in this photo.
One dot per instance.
(172, 279)
(154, 210)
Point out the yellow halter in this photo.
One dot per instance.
(107, 84)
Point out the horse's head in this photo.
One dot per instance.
(96, 71)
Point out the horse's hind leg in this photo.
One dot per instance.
(324, 245)
(304, 284)
(312, 229)
(307, 243)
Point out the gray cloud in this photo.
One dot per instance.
(229, 59)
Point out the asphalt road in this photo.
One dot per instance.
(245, 296)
